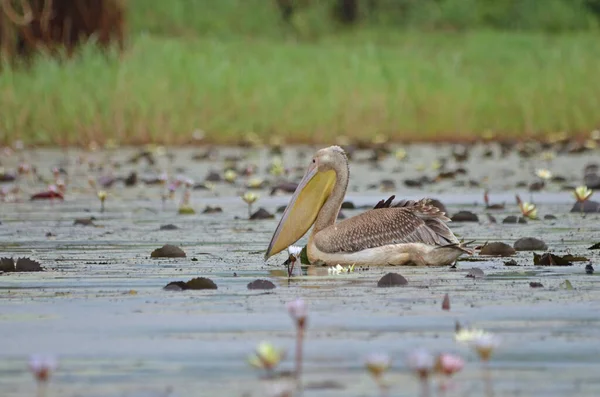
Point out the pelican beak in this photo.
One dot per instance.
(302, 211)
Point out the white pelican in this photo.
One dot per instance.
(409, 233)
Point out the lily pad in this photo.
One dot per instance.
(197, 283)
(595, 247)
(169, 226)
(497, 249)
(20, 265)
(392, 280)
(549, 259)
(168, 251)
(261, 284)
(465, 216)
(514, 219)
(475, 273)
(530, 244)
(261, 213)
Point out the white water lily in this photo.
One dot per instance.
(339, 269)
(543, 174)
(482, 341)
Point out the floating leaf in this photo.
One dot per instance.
(595, 247)
(566, 285)
(549, 259)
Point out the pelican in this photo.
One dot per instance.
(408, 233)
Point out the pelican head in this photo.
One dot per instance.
(311, 194)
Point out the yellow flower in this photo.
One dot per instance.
(277, 168)
(250, 197)
(400, 154)
(529, 210)
(582, 193)
(230, 176)
(465, 335)
(102, 195)
(255, 183)
(543, 174)
(266, 356)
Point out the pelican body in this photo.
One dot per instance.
(408, 233)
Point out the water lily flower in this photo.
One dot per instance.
(582, 193)
(400, 154)
(102, 197)
(448, 364)
(266, 356)
(255, 183)
(377, 364)
(230, 176)
(529, 210)
(42, 367)
(276, 168)
(543, 173)
(485, 346)
(294, 250)
(298, 311)
(421, 362)
(249, 198)
(483, 342)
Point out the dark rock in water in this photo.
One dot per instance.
(392, 280)
(175, 286)
(530, 244)
(261, 214)
(514, 219)
(511, 262)
(169, 226)
(201, 283)
(21, 265)
(197, 283)
(213, 176)
(413, 183)
(497, 249)
(84, 221)
(589, 269)
(549, 259)
(168, 251)
(348, 205)
(537, 186)
(131, 179)
(285, 187)
(464, 216)
(281, 209)
(261, 284)
(7, 265)
(587, 207)
(592, 180)
(387, 185)
(535, 284)
(549, 217)
(212, 210)
(595, 247)
(475, 273)
(6, 177)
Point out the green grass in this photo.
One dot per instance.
(409, 86)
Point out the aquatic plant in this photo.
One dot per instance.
(447, 365)
(421, 363)
(266, 357)
(582, 193)
(339, 269)
(299, 313)
(42, 368)
(230, 176)
(543, 174)
(484, 343)
(102, 197)
(250, 198)
(377, 364)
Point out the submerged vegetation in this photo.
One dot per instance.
(189, 69)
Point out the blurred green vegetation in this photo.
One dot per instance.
(409, 69)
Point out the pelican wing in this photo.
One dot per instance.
(407, 222)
